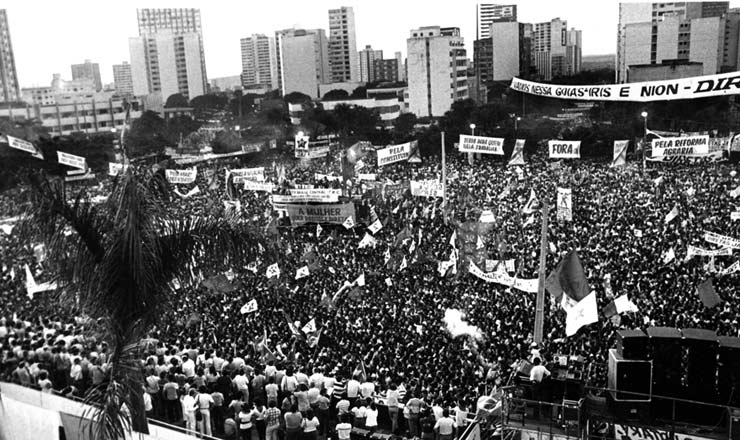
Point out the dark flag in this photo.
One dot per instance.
(707, 294)
(569, 278)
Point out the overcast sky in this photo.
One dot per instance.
(49, 36)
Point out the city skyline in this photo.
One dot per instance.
(81, 31)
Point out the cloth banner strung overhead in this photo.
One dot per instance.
(481, 144)
(683, 88)
(529, 286)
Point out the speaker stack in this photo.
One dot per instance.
(701, 347)
(728, 371)
(630, 376)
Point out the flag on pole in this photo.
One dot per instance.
(671, 215)
(273, 270)
(314, 338)
(349, 223)
(669, 256)
(310, 326)
(531, 204)
(479, 243)
(249, 307)
(387, 256)
(360, 281)
(388, 282)
(302, 272)
(707, 294)
(517, 155)
(568, 277)
(620, 154)
(624, 305)
(585, 312)
(318, 230)
(403, 265)
(453, 239)
(367, 240)
(375, 226)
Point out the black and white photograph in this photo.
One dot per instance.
(369, 220)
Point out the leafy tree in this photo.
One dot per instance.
(118, 267)
(147, 135)
(335, 95)
(360, 92)
(296, 98)
(404, 126)
(176, 100)
(226, 141)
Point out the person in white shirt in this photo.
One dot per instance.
(242, 385)
(445, 427)
(205, 403)
(317, 379)
(536, 375)
(367, 389)
(371, 418)
(188, 367)
(353, 389)
(392, 403)
(188, 410)
(343, 428)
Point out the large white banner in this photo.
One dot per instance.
(684, 88)
(680, 146)
(312, 153)
(426, 188)
(722, 240)
(259, 186)
(71, 160)
(115, 169)
(564, 149)
(181, 176)
(321, 195)
(529, 286)
(692, 159)
(242, 174)
(565, 205)
(480, 144)
(394, 153)
(693, 250)
(24, 145)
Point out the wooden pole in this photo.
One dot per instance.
(444, 179)
(540, 306)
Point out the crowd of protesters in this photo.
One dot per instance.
(215, 369)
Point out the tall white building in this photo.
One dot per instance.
(490, 13)
(401, 66)
(343, 45)
(556, 50)
(367, 63)
(303, 61)
(9, 89)
(122, 82)
(167, 57)
(656, 33)
(259, 63)
(437, 70)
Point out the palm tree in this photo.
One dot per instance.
(116, 262)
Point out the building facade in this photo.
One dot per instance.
(386, 70)
(167, 57)
(437, 70)
(367, 63)
(60, 90)
(556, 50)
(303, 61)
(9, 88)
(259, 65)
(653, 33)
(401, 66)
(490, 13)
(88, 70)
(122, 82)
(345, 66)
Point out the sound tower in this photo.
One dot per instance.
(701, 368)
(665, 352)
(629, 383)
(632, 344)
(728, 372)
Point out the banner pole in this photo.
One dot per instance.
(444, 179)
(540, 305)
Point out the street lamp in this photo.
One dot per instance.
(516, 124)
(472, 129)
(644, 115)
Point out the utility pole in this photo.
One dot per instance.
(539, 317)
(444, 180)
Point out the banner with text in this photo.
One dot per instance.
(115, 169)
(722, 240)
(24, 145)
(71, 160)
(242, 174)
(336, 214)
(684, 88)
(312, 153)
(692, 159)
(497, 265)
(564, 149)
(693, 250)
(529, 286)
(620, 154)
(426, 188)
(680, 146)
(319, 195)
(565, 205)
(480, 144)
(259, 186)
(393, 154)
(181, 176)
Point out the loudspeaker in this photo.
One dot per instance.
(701, 369)
(632, 344)
(665, 352)
(734, 423)
(629, 410)
(629, 380)
(728, 371)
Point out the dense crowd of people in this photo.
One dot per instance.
(230, 374)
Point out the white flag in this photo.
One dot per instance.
(367, 240)
(529, 221)
(318, 230)
(531, 204)
(310, 326)
(8, 229)
(453, 239)
(404, 265)
(360, 281)
(387, 256)
(584, 313)
(349, 223)
(658, 180)
(623, 304)
(735, 192)
(302, 272)
(669, 256)
(375, 226)
(273, 270)
(671, 215)
(479, 244)
(31, 286)
(249, 307)
(388, 282)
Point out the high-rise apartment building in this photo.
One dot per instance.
(122, 82)
(167, 57)
(259, 64)
(385, 70)
(490, 13)
(88, 70)
(505, 54)
(401, 66)
(437, 70)
(556, 50)
(367, 63)
(303, 60)
(654, 33)
(343, 45)
(9, 88)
